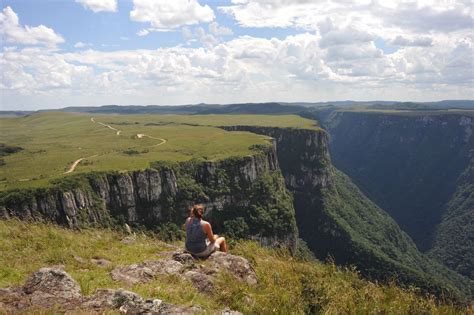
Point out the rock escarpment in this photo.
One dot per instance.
(243, 196)
(303, 156)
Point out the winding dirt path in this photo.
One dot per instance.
(141, 135)
(76, 162)
(108, 126)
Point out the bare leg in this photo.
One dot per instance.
(220, 241)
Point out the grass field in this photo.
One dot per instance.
(52, 142)
(286, 285)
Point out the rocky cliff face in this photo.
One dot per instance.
(232, 191)
(303, 155)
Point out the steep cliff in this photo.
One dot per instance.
(415, 165)
(245, 196)
(337, 220)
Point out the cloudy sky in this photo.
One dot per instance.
(58, 53)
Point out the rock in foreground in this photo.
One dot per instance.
(185, 265)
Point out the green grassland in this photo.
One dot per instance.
(287, 285)
(52, 142)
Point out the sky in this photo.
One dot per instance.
(59, 53)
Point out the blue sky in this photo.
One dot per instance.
(93, 52)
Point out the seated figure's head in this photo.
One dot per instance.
(198, 211)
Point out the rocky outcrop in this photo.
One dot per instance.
(163, 194)
(54, 289)
(50, 286)
(303, 154)
(201, 274)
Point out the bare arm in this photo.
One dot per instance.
(208, 229)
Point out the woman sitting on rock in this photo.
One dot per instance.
(200, 241)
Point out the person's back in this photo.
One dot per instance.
(195, 236)
(200, 240)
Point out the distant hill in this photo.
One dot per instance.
(254, 108)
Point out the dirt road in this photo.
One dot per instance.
(76, 162)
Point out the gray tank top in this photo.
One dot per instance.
(195, 236)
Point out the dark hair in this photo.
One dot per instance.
(198, 210)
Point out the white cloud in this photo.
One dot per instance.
(143, 32)
(99, 5)
(417, 41)
(12, 32)
(82, 45)
(240, 70)
(217, 30)
(167, 15)
(416, 15)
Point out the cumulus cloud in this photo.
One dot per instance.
(337, 53)
(217, 30)
(418, 15)
(99, 5)
(166, 15)
(417, 41)
(208, 38)
(12, 32)
(82, 45)
(242, 69)
(143, 32)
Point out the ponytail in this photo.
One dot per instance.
(198, 211)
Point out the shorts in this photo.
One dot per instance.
(211, 248)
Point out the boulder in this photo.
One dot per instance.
(183, 257)
(131, 303)
(146, 271)
(132, 274)
(48, 286)
(236, 265)
(183, 265)
(200, 281)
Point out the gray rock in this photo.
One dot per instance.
(200, 281)
(236, 265)
(52, 286)
(140, 273)
(132, 274)
(164, 266)
(183, 257)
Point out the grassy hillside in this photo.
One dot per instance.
(286, 285)
(52, 142)
(454, 243)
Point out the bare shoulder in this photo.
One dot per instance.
(205, 223)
